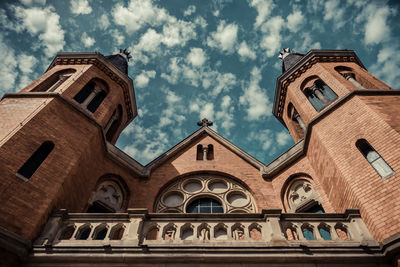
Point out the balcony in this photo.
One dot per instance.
(140, 235)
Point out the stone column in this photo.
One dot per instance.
(352, 78)
(297, 117)
(205, 150)
(96, 90)
(315, 90)
(134, 233)
(113, 118)
(54, 224)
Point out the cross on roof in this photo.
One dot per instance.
(205, 123)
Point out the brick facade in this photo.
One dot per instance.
(81, 156)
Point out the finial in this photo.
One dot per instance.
(284, 52)
(205, 123)
(125, 53)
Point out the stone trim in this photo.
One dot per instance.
(187, 141)
(108, 68)
(311, 58)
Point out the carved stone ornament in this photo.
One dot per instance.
(300, 193)
(233, 197)
(109, 194)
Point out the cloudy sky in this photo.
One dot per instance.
(195, 59)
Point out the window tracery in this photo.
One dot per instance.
(108, 197)
(301, 197)
(205, 193)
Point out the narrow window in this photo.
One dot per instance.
(320, 95)
(376, 161)
(33, 163)
(199, 155)
(113, 124)
(95, 103)
(210, 152)
(84, 93)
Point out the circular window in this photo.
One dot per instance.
(205, 193)
(173, 199)
(204, 205)
(237, 199)
(192, 186)
(218, 187)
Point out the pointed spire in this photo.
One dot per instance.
(288, 58)
(205, 123)
(120, 60)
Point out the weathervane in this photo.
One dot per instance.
(205, 123)
(284, 52)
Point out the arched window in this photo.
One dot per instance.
(210, 152)
(205, 193)
(301, 197)
(33, 163)
(205, 205)
(299, 125)
(92, 95)
(107, 198)
(319, 95)
(199, 154)
(54, 81)
(350, 75)
(113, 124)
(376, 161)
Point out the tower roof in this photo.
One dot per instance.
(120, 60)
(289, 59)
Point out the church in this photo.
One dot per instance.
(70, 197)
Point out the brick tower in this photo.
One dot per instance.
(83, 101)
(351, 137)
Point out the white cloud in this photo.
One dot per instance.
(207, 111)
(43, 22)
(224, 38)
(225, 115)
(190, 10)
(138, 14)
(254, 98)
(196, 57)
(223, 82)
(117, 36)
(271, 41)
(264, 8)
(173, 112)
(245, 52)
(335, 13)
(33, 2)
(295, 21)
(103, 22)
(178, 32)
(387, 67)
(200, 21)
(26, 63)
(376, 28)
(87, 40)
(174, 71)
(80, 7)
(142, 80)
(8, 65)
(283, 138)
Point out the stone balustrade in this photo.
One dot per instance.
(141, 229)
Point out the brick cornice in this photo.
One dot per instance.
(311, 58)
(108, 68)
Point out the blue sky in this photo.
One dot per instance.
(195, 59)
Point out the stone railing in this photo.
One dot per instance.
(137, 228)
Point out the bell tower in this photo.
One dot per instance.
(343, 115)
(49, 130)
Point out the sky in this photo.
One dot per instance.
(194, 59)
